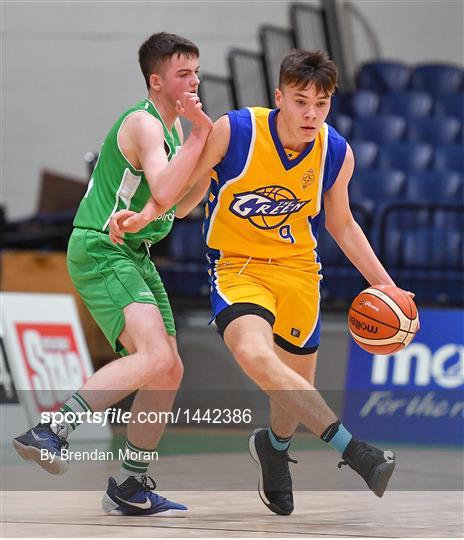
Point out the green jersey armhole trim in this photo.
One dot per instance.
(117, 138)
(173, 134)
(160, 117)
(118, 196)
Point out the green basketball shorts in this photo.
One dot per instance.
(108, 278)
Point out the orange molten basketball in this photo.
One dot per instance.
(383, 319)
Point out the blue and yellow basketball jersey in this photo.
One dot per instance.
(262, 203)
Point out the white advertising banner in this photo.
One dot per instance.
(47, 354)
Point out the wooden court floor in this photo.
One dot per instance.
(235, 514)
(238, 514)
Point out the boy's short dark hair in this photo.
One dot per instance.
(158, 48)
(301, 68)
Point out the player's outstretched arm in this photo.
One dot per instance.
(168, 180)
(213, 152)
(193, 197)
(346, 232)
(128, 221)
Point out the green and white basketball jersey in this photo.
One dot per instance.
(115, 184)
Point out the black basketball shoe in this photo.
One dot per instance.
(275, 482)
(374, 465)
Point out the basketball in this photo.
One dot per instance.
(383, 319)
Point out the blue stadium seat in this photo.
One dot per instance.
(437, 79)
(373, 187)
(450, 105)
(184, 279)
(329, 252)
(419, 256)
(418, 250)
(449, 157)
(461, 259)
(407, 104)
(359, 104)
(392, 253)
(185, 273)
(432, 260)
(406, 156)
(334, 102)
(383, 77)
(431, 249)
(342, 281)
(434, 130)
(456, 250)
(434, 186)
(186, 242)
(341, 123)
(449, 218)
(365, 154)
(380, 129)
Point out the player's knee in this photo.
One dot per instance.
(254, 360)
(175, 373)
(157, 361)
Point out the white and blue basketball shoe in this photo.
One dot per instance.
(43, 446)
(134, 498)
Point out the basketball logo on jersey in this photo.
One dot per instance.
(307, 179)
(268, 207)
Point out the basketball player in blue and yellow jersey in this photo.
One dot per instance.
(273, 173)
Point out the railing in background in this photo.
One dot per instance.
(422, 246)
(276, 43)
(248, 78)
(216, 94)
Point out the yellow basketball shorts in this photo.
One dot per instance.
(285, 292)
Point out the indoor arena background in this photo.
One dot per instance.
(68, 70)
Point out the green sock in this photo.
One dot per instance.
(75, 404)
(136, 462)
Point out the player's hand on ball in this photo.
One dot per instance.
(383, 319)
(409, 293)
(412, 295)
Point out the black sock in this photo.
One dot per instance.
(330, 432)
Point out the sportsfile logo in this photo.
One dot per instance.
(52, 361)
(417, 365)
(268, 207)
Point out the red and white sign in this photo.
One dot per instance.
(53, 362)
(47, 352)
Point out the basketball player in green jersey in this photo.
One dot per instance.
(141, 158)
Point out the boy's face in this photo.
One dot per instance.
(303, 110)
(179, 75)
